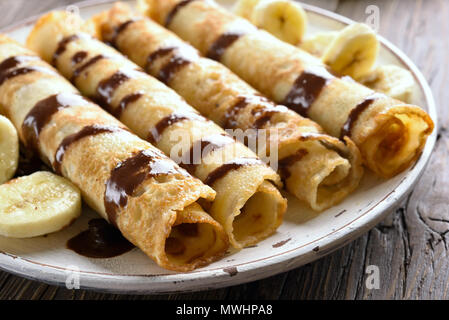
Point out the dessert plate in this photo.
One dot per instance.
(303, 237)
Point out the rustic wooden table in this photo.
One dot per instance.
(410, 247)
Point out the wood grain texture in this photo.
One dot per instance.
(410, 247)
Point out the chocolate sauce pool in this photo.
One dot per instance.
(101, 240)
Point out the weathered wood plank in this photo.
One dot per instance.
(409, 247)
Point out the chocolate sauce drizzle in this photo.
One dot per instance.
(85, 66)
(231, 114)
(121, 28)
(101, 240)
(220, 45)
(175, 10)
(160, 53)
(79, 57)
(355, 113)
(265, 112)
(40, 115)
(305, 91)
(287, 162)
(156, 132)
(174, 64)
(15, 73)
(224, 169)
(87, 131)
(125, 102)
(128, 175)
(4, 76)
(262, 113)
(14, 62)
(107, 87)
(202, 148)
(62, 47)
(263, 116)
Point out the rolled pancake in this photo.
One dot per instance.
(316, 168)
(247, 204)
(129, 182)
(389, 133)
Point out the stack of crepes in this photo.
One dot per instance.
(147, 196)
(389, 133)
(317, 168)
(248, 204)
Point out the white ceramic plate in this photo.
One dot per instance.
(303, 237)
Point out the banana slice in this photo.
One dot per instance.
(245, 8)
(317, 43)
(392, 80)
(37, 204)
(353, 52)
(284, 19)
(9, 150)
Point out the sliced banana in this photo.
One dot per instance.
(353, 52)
(392, 80)
(317, 43)
(284, 19)
(9, 150)
(245, 8)
(37, 204)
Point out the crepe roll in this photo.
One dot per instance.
(316, 168)
(129, 182)
(389, 133)
(248, 204)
